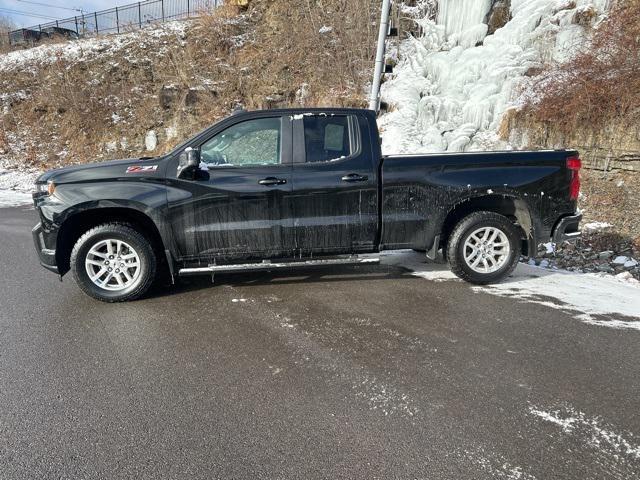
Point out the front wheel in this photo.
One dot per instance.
(113, 263)
(484, 248)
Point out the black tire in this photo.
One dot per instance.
(464, 230)
(125, 233)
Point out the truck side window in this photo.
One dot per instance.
(252, 143)
(327, 138)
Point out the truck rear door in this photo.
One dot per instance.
(335, 185)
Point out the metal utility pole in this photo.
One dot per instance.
(374, 99)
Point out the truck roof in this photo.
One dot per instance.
(302, 111)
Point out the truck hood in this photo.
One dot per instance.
(97, 171)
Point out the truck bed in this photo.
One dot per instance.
(420, 191)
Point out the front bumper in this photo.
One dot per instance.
(47, 256)
(567, 229)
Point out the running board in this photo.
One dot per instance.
(267, 266)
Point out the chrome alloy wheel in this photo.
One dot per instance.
(113, 265)
(487, 250)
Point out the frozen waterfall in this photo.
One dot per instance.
(464, 19)
(454, 83)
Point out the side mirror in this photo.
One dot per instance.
(188, 163)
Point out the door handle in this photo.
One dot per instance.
(272, 181)
(354, 177)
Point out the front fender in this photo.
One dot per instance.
(74, 208)
(149, 198)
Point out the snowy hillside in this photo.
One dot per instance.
(16, 178)
(454, 83)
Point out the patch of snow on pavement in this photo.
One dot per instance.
(385, 398)
(588, 297)
(497, 466)
(590, 431)
(10, 198)
(379, 394)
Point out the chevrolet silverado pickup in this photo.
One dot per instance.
(298, 188)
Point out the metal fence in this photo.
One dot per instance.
(122, 19)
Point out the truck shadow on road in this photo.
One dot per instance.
(301, 276)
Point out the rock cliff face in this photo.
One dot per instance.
(615, 146)
(499, 15)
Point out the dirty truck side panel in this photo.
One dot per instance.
(227, 215)
(420, 191)
(224, 216)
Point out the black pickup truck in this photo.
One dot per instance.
(289, 188)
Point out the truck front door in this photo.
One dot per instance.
(335, 186)
(239, 205)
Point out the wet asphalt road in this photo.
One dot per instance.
(354, 373)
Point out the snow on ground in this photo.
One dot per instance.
(496, 466)
(14, 199)
(16, 187)
(81, 50)
(599, 300)
(592, 432)
(595, 227)
(453, 84)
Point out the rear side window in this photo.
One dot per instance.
(329, 138)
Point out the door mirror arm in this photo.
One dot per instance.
(188, 163)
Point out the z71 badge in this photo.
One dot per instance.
(142, 169)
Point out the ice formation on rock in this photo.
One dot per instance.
(463, 20)
(454, 83)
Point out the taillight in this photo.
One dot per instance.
(574, 164)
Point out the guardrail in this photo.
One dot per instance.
(115, 20)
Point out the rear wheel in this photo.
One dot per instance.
(113, 263)
(484, 248)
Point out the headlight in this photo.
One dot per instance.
(45, 188)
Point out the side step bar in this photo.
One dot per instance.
(267, 266)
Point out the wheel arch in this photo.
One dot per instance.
(75, 225)
(510, 206)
